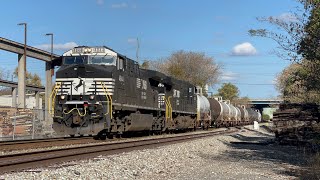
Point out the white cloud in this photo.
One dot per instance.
(244, 49)
(61, 47)
(286, 17)
(120, 5)
(228, 75)
(100, 2)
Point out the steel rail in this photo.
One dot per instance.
(22, 161)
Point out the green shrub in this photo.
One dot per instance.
(265, 117)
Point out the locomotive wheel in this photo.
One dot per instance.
(110, 136)
(102, 135)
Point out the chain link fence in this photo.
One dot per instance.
(18, 124)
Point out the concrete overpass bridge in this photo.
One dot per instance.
(50, 59)
(263, 103)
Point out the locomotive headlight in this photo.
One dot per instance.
(62, 97)
(91, 97)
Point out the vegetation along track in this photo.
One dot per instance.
(22, 161)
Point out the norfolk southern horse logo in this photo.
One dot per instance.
(80, 84)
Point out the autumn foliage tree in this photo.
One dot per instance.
(295, 84)
(194, 67)
(31, 79)
(228, 91)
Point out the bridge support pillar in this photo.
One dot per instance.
(21, 81)
(14, 97)
(48, 118)
(37, 97)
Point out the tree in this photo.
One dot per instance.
(297, 36)
(228, 91)
(4, 75)
(299, 41)
(145, 65)
(309, 45)
(194, 67)
(295, 83)
(31, 79)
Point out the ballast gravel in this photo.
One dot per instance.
(218, 157)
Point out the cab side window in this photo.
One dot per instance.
(120, 64)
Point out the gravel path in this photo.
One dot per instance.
(219, 157)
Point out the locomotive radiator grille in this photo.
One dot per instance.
(85, 86)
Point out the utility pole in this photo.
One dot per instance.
(137, 52)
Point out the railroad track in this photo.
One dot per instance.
(22, 161)
(42, 143)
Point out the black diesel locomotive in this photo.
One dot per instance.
(101, 92)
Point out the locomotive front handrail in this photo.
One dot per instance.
(53, 97)
(85, 111)
(109, 99)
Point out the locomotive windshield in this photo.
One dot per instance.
(75, 60)
(106, 60)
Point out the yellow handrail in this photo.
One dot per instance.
(170, 111)
(168, 108)
(109, 99)
(167, 113)
(53, 97)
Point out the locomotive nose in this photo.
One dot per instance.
(80, 70)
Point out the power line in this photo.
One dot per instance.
(251, 84)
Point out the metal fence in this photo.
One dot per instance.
(17, 123)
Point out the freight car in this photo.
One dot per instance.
(101, 92)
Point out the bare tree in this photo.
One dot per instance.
(297, 35)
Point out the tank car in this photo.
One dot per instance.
(233, 113)
(244, 115)
(220, 112)
(254, 115)
(101, 92)
(203, 110)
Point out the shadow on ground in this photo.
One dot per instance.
(286, 160)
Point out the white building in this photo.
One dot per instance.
(6, 100)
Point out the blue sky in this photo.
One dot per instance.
(217, 28)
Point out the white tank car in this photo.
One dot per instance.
(203, 111)
(238, 114)
(220, 112)
(233, 111)
(226, 111)
(244, 115)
